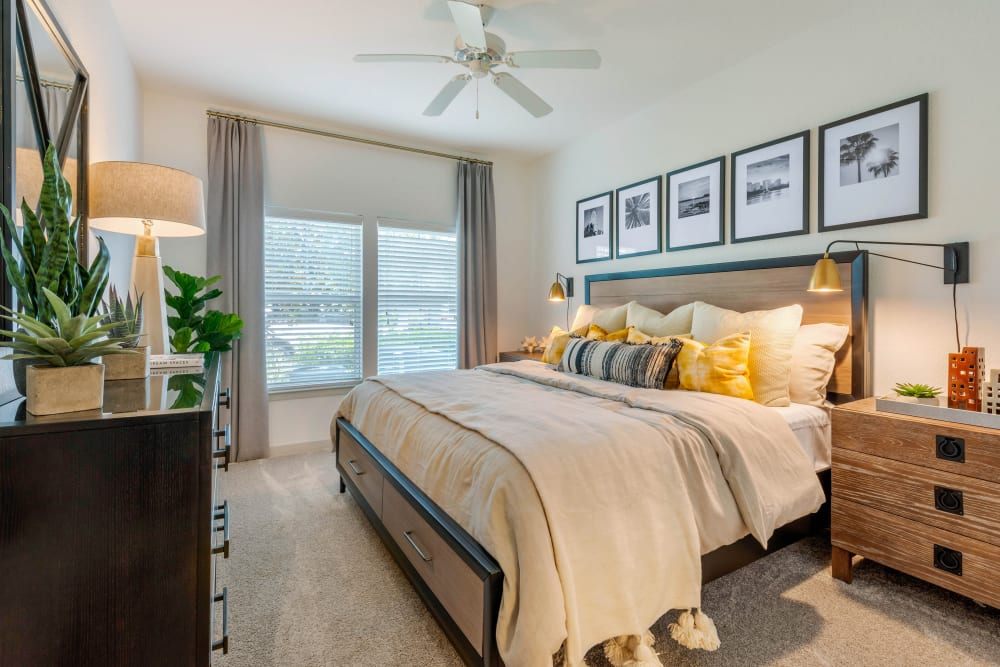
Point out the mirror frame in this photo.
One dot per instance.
(17, 45)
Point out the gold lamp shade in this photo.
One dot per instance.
(125, 194)
(825, 276)
(556, 292)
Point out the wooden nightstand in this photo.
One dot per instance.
(518, 355)
(919, 495)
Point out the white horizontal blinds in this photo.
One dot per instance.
(417, 297)
(313, 294)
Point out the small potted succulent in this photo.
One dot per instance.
(909, 392)
(65, 378)
(126, 320)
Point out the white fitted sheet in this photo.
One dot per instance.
(811, 426)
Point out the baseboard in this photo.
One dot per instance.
(301, 448)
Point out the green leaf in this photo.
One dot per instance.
(59, 307)
(90, 298)
(181, 340)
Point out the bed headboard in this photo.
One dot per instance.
(757, 285)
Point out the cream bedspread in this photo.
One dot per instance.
(596, 499)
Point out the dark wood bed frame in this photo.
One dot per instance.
(468, 615)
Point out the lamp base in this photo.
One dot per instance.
(147, 277)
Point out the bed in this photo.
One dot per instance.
(422, 458)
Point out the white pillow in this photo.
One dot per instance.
(772, 334)
(654, 323)
(609, 319)
(813, 358)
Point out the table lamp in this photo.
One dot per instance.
(147, 201)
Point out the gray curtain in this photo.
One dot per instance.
(477, 336)
(55, 102)
(235, 219)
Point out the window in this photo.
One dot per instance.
(417, 297)
(313, 300)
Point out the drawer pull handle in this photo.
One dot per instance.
(357, 471)
(223, 454)
(949, 560)
(408, 534)
(948, 500)
(950, 448)
(225, 398)
(223, 433)
(222, 512)
(223, 643)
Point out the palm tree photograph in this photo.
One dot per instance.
(637, 211)
(868, 156)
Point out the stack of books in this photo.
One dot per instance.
(174, 364)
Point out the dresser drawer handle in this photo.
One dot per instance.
(222, 512)
(950, 448)
(357, 471)
(223, 454)
(949, 560)
(224, 432)
(223, 643)
(948, 500)
(225, 398)
(408, 534)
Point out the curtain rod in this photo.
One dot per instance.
(344, 137)
(50, 84)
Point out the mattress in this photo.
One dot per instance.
(811, 426)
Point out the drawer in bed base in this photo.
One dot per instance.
(457, 579)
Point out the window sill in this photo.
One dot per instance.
(310, 392)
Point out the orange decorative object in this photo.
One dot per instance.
(966, 377)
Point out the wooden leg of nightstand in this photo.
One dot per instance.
(841, 560)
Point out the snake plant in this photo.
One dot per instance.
(126, 316)
(71, 340)
(47, 257)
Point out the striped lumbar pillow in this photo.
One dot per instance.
(634, 365)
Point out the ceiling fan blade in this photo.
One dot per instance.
(469, 20)
(447, 95)
(521, 94)
(400, 58)
(584, 59)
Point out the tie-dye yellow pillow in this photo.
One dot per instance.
(595, 332)
(720, 368)
(636, 337)
(558, 338)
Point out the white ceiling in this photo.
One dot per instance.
(293, 57)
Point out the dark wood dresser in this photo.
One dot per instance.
(110, 527)
(918, 495)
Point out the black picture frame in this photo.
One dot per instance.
(719, 202)
(800, 220)
(608, 219)
(826, 133)
(656, 200)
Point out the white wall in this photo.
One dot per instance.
(888, 51)
(308, 172)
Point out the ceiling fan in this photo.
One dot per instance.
(480, 53)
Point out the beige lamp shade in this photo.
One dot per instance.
(825, 276)
(123, 195)
(29, 176)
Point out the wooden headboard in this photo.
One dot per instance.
(758, 285)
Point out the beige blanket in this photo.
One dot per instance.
(596, 499)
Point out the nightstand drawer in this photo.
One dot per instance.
(959, 449)
(963, 505)
(952, 561)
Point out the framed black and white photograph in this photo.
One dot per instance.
(695, 197)
(873, 166)
(638, 229)
(594, 228)
(770, 190)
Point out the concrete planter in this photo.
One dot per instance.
(53, 390)
(126, 395)
(127, 366)
(932, 400)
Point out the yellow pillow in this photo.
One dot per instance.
(636, 337)
(720, 368)
(558, 339)
(595, 332)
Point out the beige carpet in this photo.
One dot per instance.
(310, 584)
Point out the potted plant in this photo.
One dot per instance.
(65, 379)
(190, 331)
(126, 320)
(47, 257)
(908, 392)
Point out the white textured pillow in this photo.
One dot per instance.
(813, 358)
(609, 319)
(656, 324)
(772, 335)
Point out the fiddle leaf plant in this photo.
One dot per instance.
(191, 330)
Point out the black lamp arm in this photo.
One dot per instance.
(955, 270)
(567, 284)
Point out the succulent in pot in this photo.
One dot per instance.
(66, 379)
(126, 318)
(909, 392)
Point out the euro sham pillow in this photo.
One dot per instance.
(636, 337)
(609, 319)
(814, 355)
(719, 368)
(644, 366)
(772, 335)
(654, 323)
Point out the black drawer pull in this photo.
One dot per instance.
(355, 468)
(949, 560)
(225, 398)
(408, 534)
(950, 448)
(948, 500)
(222, 512)
(223, 643)
(223, 454)
(224, 432)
